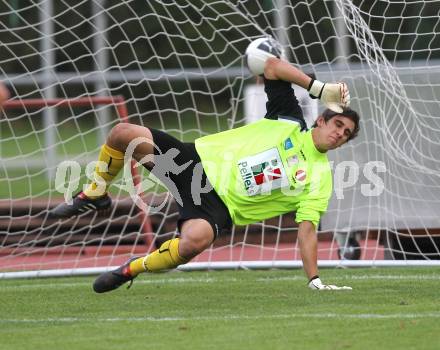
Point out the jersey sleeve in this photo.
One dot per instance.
(311, 210)
(281, 100)
(315, 203)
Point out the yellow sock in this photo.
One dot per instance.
(165, 258)
(115, 161)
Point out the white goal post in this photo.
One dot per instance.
(179, 67)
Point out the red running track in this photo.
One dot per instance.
(110, 256)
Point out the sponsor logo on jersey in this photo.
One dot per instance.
(266, 171)
(291, 161)
(288, 144)
(262, 172)
(246, 174)
(300, 175)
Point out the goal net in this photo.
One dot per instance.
(179, 67)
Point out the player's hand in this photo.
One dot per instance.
(316, 284)
(335, 96)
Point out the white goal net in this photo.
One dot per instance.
(76, 68)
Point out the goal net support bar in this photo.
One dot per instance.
(229, 265)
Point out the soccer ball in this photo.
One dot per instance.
(259, 51)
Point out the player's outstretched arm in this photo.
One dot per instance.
(277, 69)
(308, 245)
(334, 96)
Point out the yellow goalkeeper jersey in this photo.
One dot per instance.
(265, 169)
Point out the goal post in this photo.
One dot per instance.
(179, 67)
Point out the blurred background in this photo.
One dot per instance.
(179, 67)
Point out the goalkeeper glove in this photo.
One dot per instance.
(316, 284)
(334, 96)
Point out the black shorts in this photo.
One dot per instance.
(180, 170)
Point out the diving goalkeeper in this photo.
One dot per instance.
(240, 176)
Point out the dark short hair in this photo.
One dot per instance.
(346, 112)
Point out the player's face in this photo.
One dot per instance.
(333, 133)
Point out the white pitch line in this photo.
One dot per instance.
(184, 280)
(358, 277)
(220, 318)
(138, 281)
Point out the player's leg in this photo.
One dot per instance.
(198, 223)
(111, 157)
(111, 161)
(196, 236)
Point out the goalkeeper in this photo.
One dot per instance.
(241, 176)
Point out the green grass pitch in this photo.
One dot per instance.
(388, 309)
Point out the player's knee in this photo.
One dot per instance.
(189, 247)
(123, 133)
(119, 135)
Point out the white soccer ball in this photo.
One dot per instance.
(259, 51)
